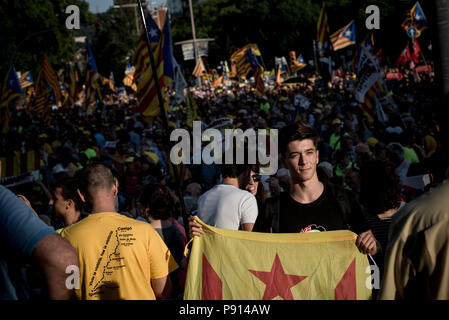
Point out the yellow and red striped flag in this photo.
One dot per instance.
(344, 37)
(26, 80)
(258, 78)
(141, 57)
(146, 87)
(10, 90)
(92, 78)
(217, 81)
(239, 265)
(322, 30)
(72, 92)
(52, 79)
(18, 163)
(47, 91)
(242, 63)
(369, 104)
(199, 68)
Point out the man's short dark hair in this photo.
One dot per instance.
(380, 187)
(69, 191)
(156, 197)
(93, 178)
(296, 131)
(234, 170)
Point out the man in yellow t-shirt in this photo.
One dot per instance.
(120, 258)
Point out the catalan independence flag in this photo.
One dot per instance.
(368, 106)
(258, 78)
(26, 80)
(322, 31)
(240, 265)
(47, 91)
(146, 86)
(244, 59)
(344, 37)
(10, 90)
(18, 163)
(92, 78)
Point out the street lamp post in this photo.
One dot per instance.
(195, 50)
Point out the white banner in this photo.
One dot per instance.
(364, 84)
(21, 179)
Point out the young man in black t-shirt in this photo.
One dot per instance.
(312, 206)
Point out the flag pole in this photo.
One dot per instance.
(164, 115)
(314, 54)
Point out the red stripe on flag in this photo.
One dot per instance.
(347, 287)
(212, 286)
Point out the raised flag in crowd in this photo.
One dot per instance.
(405, 56)
(245, 61)
(26, 80)
(344, 37)
(92, 78)
(416, 51)
(128, 80)
(47, 91)
(72, 88)
(199, 68)
(160, 44)
(415, 20)
(323, 32)
(10, 90)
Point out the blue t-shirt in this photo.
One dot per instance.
(20, 231)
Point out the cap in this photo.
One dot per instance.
(336, 121)
(362, 148)
(372, 141)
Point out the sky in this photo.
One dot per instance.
(98, 6)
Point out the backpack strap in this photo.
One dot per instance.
(276, 214)
(340, 195)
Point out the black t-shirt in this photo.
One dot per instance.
(321, 215)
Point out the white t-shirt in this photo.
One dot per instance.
(225, 206)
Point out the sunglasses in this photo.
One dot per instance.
(256, 177)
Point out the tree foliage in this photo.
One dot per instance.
(20, 19)
(285, 25)
(114, 41)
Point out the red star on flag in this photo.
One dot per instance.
(277, 282)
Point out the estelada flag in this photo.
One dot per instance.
(240, 265)
(199, 68)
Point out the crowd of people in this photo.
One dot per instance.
(106, 183)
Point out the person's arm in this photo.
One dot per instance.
(162, 263)
(249, 213)
(162, 287)
(195, 229)
(44, 188)
(54, 254)
(27, 202)
(367, 243)
(248, 227)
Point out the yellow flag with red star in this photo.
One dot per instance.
(239, 265)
